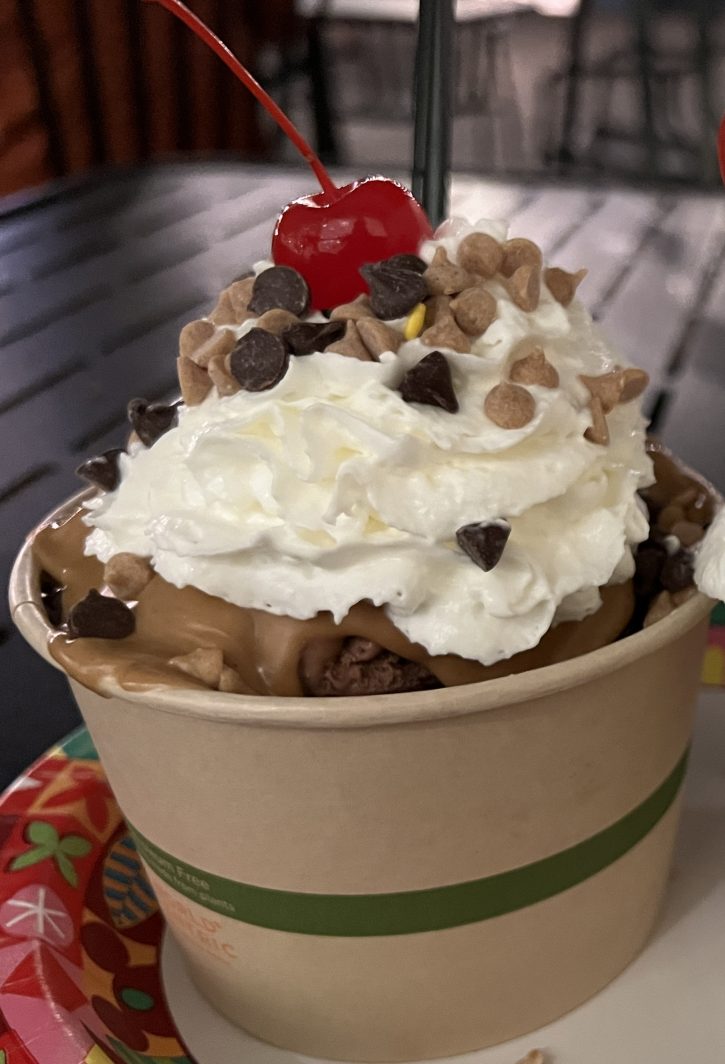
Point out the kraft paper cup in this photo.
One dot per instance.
(407, 876)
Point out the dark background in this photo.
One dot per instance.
(630, 88)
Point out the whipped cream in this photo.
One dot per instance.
(329, 489)
(710, 560)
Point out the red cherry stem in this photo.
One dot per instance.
(181, 11)
(721, 148)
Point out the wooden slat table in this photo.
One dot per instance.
(97, 278)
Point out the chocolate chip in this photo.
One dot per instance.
(393, 292)
(311, 336)
(100, 617)
(429, 381)
(649, 559)
(407, 262)
(102, 470)
(677, 572)
(151, 420)
(280, 286)
(484, 541)
(259, 360)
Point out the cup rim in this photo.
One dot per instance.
(361, 710)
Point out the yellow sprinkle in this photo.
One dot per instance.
(414, 322)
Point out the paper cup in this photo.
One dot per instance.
(407, 876)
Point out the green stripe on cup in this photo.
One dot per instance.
(410, 911)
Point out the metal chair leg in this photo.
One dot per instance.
(566, 153)
(642, 9)
(326, 139)
(708, 119)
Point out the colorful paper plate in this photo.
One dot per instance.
(80, 930)
(87, 975)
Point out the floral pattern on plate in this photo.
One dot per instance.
(80, 929)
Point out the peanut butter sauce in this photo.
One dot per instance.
(265, 649)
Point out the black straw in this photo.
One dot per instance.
(432, 94)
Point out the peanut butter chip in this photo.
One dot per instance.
(220, 376)
(474, 310)
(509, 406)
(446, 333)
(444, 278)
(194, 381)
(232, 307)
(204, 664)
(607, 388)
(377, 336)
(634, 382)
(351, 345)
(223, 312)
(126, 575)
(524, 287)
(598, 431)
(276, 321)
(231, 682)
(240, 295)
(520, 252)
(687, 532)
(436, 308)
(534, 1056)
(359, 308)
(535, 368)
(194, 335)
(618, 386)
(480, 254)
(563, 285)
(661, 607)
(221, 341)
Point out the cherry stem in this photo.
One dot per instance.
(181, 11)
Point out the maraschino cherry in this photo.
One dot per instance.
(330, 235)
